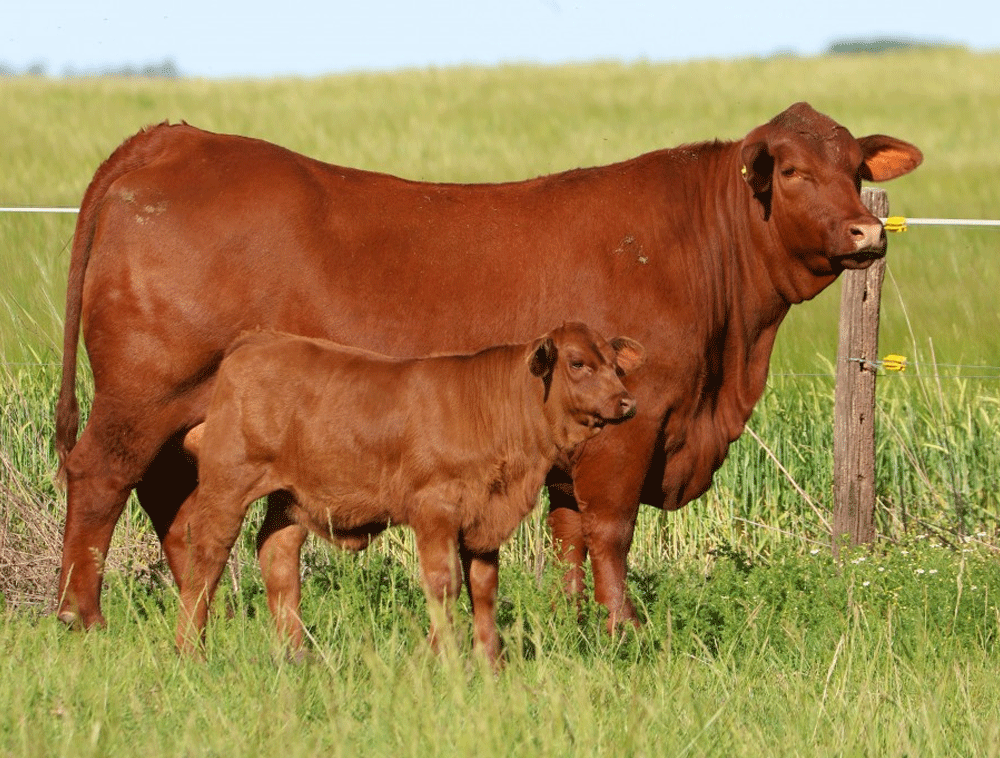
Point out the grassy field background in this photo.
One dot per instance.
(756, 641)
(514, 122)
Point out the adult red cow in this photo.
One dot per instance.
(186, 238)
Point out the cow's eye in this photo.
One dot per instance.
(790, 171)
(576, 365)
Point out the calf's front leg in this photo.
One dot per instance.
(482, 578)
(441, 573)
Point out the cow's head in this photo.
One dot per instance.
(583, 375)
(805, 172)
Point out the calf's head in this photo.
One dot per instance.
(805, 172)
(583, 375)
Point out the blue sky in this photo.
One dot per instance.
(311, 37)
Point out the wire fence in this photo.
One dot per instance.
(891, 363)
(929, 369)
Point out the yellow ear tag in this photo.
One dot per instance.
(743, 171)
(894, 363)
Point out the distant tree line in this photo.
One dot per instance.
(882, 45)
(166, 69)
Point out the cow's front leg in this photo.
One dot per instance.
(482, 578)
(607, 481)
(608, 529)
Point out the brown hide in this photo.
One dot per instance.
(186, 238)
(456, 447)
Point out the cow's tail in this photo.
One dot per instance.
(132, 153)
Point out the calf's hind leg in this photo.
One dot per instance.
(204, 533)
(279, 547)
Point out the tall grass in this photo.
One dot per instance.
(889, 655)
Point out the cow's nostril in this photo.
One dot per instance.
(867, 236)
(627, 407)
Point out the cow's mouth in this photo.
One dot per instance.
(629, 413)
(599, 422)
(859, 259)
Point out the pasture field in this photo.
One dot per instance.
(891, 655)
(756, 641)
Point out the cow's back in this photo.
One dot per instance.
(286, 242)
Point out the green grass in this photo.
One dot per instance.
(892, 654)
(756, 641)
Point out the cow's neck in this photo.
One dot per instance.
(759, 282)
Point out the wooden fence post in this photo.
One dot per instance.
(854, 401)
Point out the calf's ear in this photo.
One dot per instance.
(543, 357)
(629, 354)
(887, 157)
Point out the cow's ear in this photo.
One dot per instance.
(629, 354)
(543, 357)
(886, 158)
(757, 165)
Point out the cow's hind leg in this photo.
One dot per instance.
(279, 547)
(101, 470)
(166, 484)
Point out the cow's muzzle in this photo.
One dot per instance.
(625, 410)
(868, 242)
